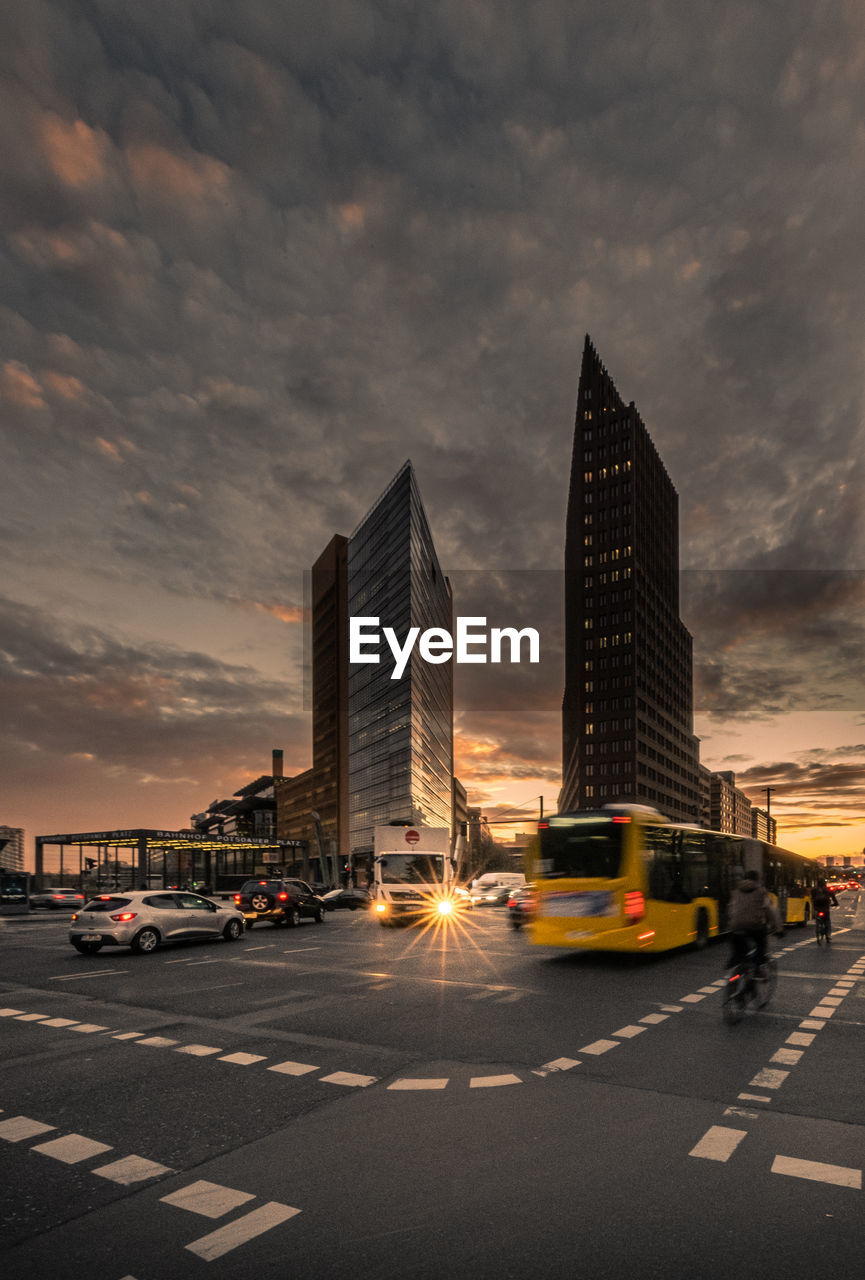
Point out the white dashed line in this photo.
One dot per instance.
(786, 1057)
(243, 1059)
(492, 1082)
(768, 1079)
(407, 1085)
(131, 1169)
(197, 1050)
(822, 1011)
(31, 1017)
(349, 1079)
(72, 1148)
(292, 1068)
(654, 1018)
(628, 1033)
(207, 1198)
(17, 1128)
(816, 1172)
(157, 1042)
(754, 1097)
(692, 999)
(59, 1022)
(800, 1037)
(238, 1232)
(87, 1028)
(718, 1143)
(599, 1047)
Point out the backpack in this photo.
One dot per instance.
(751, 910)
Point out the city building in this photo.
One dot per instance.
(627, 712)
(11, 848)
(382, 747)
(730, 807)
(250, 812)
(763, 826)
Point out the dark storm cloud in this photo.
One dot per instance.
(142, 712)
(771, 642)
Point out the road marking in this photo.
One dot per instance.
(787, 1057)
(692, 999)
(628, 1033)
(768, 1079)
(347, 1078)
(197, 1050)
(31, 1017)
(17, 1128)
(10, 1013)
(243, 1059)
(194, 964)
(246, 1228)
(72, 1148)
(292, 1068)
(710, 991)
(718, 1143)
(87, 1028)
(822, 1011)
(157, 1042)
(831, 1000)
(295, 951)
(599, 1046)
(560, 1064)
(799, 1037)
(127, 1035)
(419, 1084)
(207, 1198)
(816, 1172)
(492, 1082)
(59, 1022)
(91, 973)
(737, 1111)
(266, 947)
(671, 1008)
(812, 1024)
(512, 998)
(131, 1169)
(654, 1018)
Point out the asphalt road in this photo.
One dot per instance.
(347, 1101)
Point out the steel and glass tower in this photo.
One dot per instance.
(400, 732)
(627, 714)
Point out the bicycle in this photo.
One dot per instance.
(822, 921)
(749, 983)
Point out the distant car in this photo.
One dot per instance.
(346, 899)
(56, 899)
(281, 901)
(491, 895)
(144, 919)
(521, 905)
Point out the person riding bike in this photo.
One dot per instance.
(823, 899)
(752, 913)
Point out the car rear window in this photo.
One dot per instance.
(271, 886)
(107, 904)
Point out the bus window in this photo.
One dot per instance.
(585, 848)
(666, 880)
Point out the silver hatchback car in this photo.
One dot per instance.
(144, 919)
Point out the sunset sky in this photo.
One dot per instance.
(256, 255)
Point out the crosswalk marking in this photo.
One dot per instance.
(207, 1198)
(599, 1046)
(17, 1128)
(242, 1229)
(493, 1082)
(409, 1084)
(292, 1068)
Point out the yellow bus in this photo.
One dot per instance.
(623, 878)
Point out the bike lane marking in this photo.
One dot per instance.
(815, 1171)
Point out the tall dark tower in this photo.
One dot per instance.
(627, 713)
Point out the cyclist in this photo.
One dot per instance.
(752, 913)
(823, 899)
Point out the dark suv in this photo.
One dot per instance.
(282, 901)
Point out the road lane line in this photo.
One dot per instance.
(33, 1017)
(59, 1022)
(654, 1018)
(127, 1035)
(692, 999)
(292, 1068)
(718, 1143)
(87, 1028)
(822, 1011)
(72, 1148)
(349, 1079)
(10, 1013)
(812, 1024)
(158, 1042)
(197, 1050)
(768, 1079)
(90, 973)
(243, 1059)
(799, 1037)
(243, 1229)
(628, 1033)
(492, 1082)
(208, 1199)
(17, 1128)
(409, 1084)
(599, 1046)
(131, 1169)
(836, 1174)
(787, 1057)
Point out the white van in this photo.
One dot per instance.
(515, 878)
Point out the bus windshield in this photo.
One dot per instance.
(411, 868)
(584, 848)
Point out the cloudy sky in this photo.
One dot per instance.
(256, 255)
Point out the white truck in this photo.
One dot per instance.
(413, 874)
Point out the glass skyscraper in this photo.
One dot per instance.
(400, 731)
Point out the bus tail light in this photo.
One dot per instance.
(635, 906)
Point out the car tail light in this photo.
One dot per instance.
(282, 896)
(237, 897)
(124, 916)
(635, 906)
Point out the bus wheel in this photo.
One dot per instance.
(701, 934)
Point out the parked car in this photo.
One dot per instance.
(144, 919)
(521, 905)
(56, 899)
(346, 899)
(284, 902)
